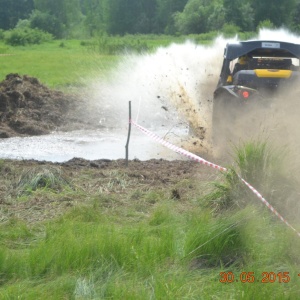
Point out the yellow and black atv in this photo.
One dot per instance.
(252, 72)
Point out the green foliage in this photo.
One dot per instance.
(230, 30)
(263, 166)
(239, 13)
(164, 17)
(203, 38)
(214, 242)
(216, 19)
(192, 19)
(162, 215)
(88, 18)
(66, 13)
(12, 11)
(47, 23)
(23, 24)
(278, 12)
(296, 18)
(26, 36)
(2, 163)
(265, 24)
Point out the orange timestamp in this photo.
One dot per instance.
(251, 277)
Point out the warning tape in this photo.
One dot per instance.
(177, 149)
(207, 163)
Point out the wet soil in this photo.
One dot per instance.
(28, 108)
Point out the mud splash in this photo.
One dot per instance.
(172, 86)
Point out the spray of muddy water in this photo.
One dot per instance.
(175, 86)
(171, 87)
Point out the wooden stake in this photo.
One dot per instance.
(129, 131)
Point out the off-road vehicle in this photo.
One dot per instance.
(252, 72)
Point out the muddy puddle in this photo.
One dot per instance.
(88, 144)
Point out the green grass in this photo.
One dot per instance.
(167, 255)
(65, 64)
(56, 66)
(72, 63)
(147, 245)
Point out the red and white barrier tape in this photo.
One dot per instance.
(207, 163)
(177, 149)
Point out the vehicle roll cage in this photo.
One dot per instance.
(256, 49)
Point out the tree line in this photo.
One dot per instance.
(84, 18)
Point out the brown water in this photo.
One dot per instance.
(61, 146)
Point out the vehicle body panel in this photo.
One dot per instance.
(269, 64)
(251, 74)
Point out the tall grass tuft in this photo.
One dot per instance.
(41, 178)
(259, 164)
(228, 192)
(212, 242)
(264, 167)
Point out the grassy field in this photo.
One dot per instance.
(58, 64)
(73, 232)
(65, 63)
(61, 64)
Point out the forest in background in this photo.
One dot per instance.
(90, 18)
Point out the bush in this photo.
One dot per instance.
(47, 22)
(23, 24)
(265, 24)
(230, 30)
(25, 36)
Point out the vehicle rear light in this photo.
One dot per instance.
(244, 93)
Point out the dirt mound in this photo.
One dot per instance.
(28, 107)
